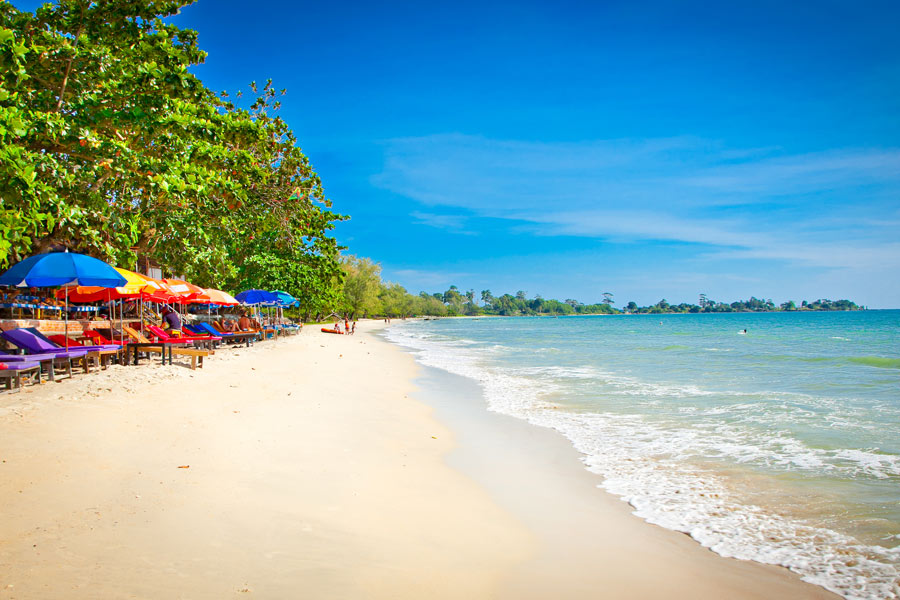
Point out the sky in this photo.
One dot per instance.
(657, 149)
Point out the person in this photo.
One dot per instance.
(353, 331)
(346, 325)
(244, 323)
(229, 325)
(171, 319)
(337, 326)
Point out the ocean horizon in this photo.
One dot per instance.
(772, 437)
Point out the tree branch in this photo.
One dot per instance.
(65, 81)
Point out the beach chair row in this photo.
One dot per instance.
(41, 357)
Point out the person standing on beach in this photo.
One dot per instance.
(353, 331)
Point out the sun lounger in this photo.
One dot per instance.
(102, 354)
(14, 371)
(48, 361)
(100, 339)
(206, 340)
(234, 336)
(143, 343)
(32, 342)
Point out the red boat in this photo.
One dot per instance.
(326, 330)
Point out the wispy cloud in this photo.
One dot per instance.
(824, 171)
(820, 209)
(454, 223)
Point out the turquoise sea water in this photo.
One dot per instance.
(781, 445)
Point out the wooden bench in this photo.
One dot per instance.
(197, 355)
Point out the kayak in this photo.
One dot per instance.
(325, 330)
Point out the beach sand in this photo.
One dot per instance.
(313, 467)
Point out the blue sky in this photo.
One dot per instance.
(652, 150)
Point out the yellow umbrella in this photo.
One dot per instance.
(134, 285)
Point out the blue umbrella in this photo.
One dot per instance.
(284, 299)
(256, 297)
(55, 269)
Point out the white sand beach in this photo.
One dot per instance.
(308, 468)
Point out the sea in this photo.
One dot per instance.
(772, 437)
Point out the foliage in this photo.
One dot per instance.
(362, 284)
(752, 305)
(110, 146)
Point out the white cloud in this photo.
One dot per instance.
(837, 208)
(454, 223)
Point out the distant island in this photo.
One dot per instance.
(518, 305)
(364, 293)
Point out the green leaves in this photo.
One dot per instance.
(110, 146)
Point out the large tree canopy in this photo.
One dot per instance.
(109, 145)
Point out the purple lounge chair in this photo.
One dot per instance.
(12, 372)
(32, 342)
(49, 361)
(51, 343)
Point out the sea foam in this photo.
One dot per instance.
(654, 464)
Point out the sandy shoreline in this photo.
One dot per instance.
(313, 469)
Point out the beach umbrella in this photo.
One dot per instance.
(284, 299)
(135, 285)
(184, 290)
(62, 269)
(158, 291)
(221, 298)
(256, 297)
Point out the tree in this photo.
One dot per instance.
(362, 283)
(395, 300)
(109, 145)
(607, 298)
(454, 300)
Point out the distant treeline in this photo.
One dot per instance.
(751, 305)
(365, 294)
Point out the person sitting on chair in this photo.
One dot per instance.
(171, 320)
(244, 323)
